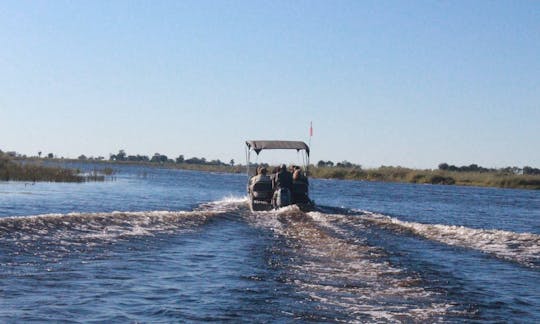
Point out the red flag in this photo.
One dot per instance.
(310, 129)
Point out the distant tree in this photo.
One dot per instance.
(215, 162)
(511, 170)
(328, 164)
(443, 166)
(231, 162)
(137, 158)
(159, 158)
(180, 159)
(50, 155)
(82, 157)
(344, 164)
(39, 154)
(530, 171)
(195, 160)
(121, 156)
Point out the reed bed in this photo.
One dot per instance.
(400, 174)
(31, 171)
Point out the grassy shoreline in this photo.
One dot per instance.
(496, 179)
(31, 170)
(405, 175)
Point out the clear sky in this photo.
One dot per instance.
(410, 83)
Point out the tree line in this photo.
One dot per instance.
(476, 168)
(342, 164)
(162, 158)
(526, 170)
(124, 157)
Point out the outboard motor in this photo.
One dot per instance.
(282, 198)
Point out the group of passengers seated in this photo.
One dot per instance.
(294, 181)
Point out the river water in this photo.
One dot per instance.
(161, 245)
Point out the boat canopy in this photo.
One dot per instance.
(258, 146)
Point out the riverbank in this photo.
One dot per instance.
(496, 179)
(33, 171)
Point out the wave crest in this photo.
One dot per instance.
(83, 228)
(523, 248)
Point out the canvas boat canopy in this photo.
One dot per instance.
(258, 146)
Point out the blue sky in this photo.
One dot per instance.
(411, 83)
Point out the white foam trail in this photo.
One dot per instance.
(519, 247)
(81, 228)
(339, 270)
(226, 204)
(84, 228)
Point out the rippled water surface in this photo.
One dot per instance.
(158, 245)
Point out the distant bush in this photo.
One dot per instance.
(438, 179)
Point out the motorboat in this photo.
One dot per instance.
(269, 190)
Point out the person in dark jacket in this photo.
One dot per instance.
(282, 185)
(283, 179)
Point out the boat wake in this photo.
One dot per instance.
(98, 228)
(523, 248)
(323, 254)
(346, 275)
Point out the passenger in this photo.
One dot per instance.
(282, 185)
(299, 176)
(283, 179)
(300, 187)
(261, 176)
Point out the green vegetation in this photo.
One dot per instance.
(471, 175)
(526, 178)
(11, 170)
(122, 156)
